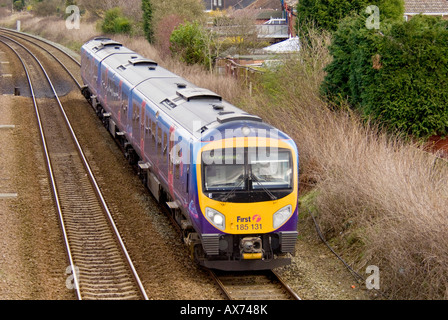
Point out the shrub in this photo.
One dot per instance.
(115, 22)
(398, 76)
(326, 15)
(189, 41)
(19, 5)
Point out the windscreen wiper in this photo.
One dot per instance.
(270, 194)
(231, 192)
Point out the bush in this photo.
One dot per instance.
(190, 43)
(326, 15)
(19, 5)
(398, 76)
(115, 22)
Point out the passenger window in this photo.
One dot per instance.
(177, 161)
(159, 141)
(165, 143)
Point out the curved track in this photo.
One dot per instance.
(102, 267)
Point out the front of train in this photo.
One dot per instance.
(247, 180)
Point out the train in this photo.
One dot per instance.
(229, 180)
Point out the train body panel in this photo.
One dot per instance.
(229, 179)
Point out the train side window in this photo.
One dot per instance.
(111, 90)
(102, 78)
(146, 122)
(95, 76)
(134, 111)
(159, 141)
(177, 171)
(153, 130)
(165, 143)
(177, 161)
(125, 99)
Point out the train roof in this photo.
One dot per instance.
(195, 109)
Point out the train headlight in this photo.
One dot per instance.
(281, 216)
(216, 218)
(245, 131)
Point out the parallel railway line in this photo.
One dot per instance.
(101, 266)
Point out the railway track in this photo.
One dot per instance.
(251, 285)
(99, 262)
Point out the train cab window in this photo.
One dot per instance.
(271, 171)
(224, 170)
(247, 175)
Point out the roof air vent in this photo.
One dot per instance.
(197, 93)
(218, 107)
(142, 61)
(238, 117)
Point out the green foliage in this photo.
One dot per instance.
(115, 22)
(326, 14)
(18, 5)
(148, 27)
(190, 42)
(398, 76)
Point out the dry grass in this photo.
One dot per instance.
(383, 201)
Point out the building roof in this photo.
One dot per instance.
(266, 4)
(286, 46)
(426, 6)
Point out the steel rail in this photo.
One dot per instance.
(286, 286)
(91, 177)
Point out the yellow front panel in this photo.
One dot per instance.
(247, 218)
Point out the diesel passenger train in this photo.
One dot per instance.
(229, 179)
